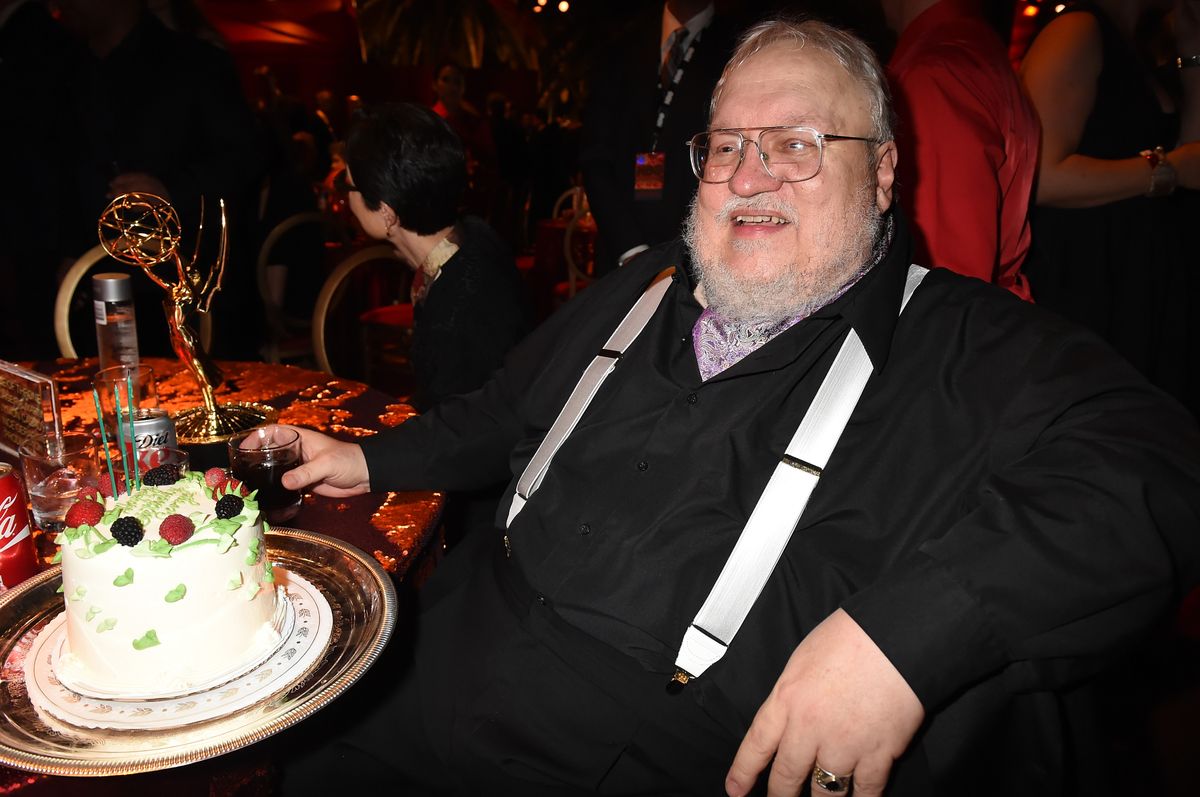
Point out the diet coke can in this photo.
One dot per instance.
(17, 558)
(152, 429)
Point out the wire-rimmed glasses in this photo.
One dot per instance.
(789, 154)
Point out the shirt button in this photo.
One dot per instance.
(541, 599)
(692, 398)
(643, 465)
(585, 529)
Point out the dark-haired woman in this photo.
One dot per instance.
(406, 173)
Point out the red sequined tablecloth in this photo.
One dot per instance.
(395, 528)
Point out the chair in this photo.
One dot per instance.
(288, 337)
(384, 329)
(66, 291)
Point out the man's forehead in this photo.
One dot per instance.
(793, 85)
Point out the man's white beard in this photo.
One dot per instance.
(793, 290)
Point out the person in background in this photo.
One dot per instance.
(405, 173)
(650, 91)
(923, 617)
(968, 140)
(1115, 244)
(449, 88)
(158, 111)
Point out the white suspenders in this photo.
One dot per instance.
(779, 507)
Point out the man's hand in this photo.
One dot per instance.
(840, 702)
(336, 469)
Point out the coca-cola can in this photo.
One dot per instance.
(18, 560)
(152, 429)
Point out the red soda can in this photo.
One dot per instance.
(18, 560)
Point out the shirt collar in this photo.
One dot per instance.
(872, 306)
(694, 25)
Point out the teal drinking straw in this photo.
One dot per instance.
(121, 440)
(104, 440)
(137, 472)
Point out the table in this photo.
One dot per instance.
(401, 530)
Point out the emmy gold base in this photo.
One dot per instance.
(197, 427)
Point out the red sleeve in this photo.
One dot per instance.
(949, 155)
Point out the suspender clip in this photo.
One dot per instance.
(680, 679)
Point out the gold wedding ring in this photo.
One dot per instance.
(834, 784)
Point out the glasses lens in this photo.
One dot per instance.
(715, 156)
(791, 155)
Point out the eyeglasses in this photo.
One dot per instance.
(789, 154)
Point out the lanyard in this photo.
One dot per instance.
(667, 93)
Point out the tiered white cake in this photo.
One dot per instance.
(152, 617)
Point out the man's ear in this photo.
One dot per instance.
(885, 174)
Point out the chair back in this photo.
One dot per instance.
(288, 337)
(332, 290)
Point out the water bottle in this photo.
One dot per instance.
(116, 326)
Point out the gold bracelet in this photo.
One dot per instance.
(1187, 61)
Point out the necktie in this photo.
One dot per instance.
(674, 56)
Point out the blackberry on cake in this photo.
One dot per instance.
(229, 506)
(127, 530)
(161, 476)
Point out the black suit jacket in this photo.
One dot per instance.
(619, 122)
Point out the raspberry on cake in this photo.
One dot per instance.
(215, 477)
(84, 512)
(176, 529)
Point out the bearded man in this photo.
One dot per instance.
(664, 609)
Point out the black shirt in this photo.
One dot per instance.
(1008, 502)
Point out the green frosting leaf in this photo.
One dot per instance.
(237, 580)
(91, 613)
(79, 592)
(60, 538)
(255, 546)
(175, 594)
(73, 534)
(252, 591)
(107, 624)
(60, 588)
(125, 579)
(57, 557)
(101, 547)
(147, 640)
(160, 547)
(108, 517)
(225, 543)
(84, 553)
(148, 547)
(194, 542)
(268, 572)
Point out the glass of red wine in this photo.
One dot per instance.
(259, 459)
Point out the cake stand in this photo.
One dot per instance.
(363, 603)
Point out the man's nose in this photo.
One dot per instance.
(752, 176)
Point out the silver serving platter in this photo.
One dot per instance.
(363, 601)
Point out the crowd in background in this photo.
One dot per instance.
(120, 96)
